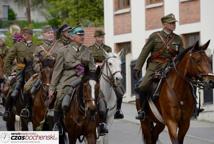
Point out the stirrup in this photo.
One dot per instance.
(58, 127)
(25, 113)
(6, 115)
(141, 115)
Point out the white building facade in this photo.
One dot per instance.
(128, 23)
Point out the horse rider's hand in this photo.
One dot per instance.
(11, 76)
(137, 74)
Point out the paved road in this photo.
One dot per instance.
(128, 131)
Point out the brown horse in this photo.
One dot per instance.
(80, 119)
(176, 101)
(39, 107)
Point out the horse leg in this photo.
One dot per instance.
(172, 129)
(159, 127)
(24, 125)
(146, 131)
(183, 128)
(72, 140)
(10, 123)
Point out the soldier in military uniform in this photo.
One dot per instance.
(163, 46)
(69, 69)
(46, 52)
(98, 50)
(22, 52)
(62, 34)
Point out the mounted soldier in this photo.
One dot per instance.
(163, 46)
(72, 65)
(22, 52)
(99, 50)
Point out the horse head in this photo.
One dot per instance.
(198, 64)
(112, 69)
(46, 70)
(89, 96)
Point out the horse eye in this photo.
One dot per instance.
(110, 64)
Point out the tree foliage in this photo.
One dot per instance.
(84, 12)
(11, 14)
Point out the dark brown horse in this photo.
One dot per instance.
(176, 101)
(80, 119)
(39, 107)
(15, 121)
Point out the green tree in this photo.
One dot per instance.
(11, 14)
(85, 12)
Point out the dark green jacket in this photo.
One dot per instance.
(158, 50)
(98, 53)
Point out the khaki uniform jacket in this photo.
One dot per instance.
(98, 53)
(19, 51)
(3, 51)
(45, 51)
(65, 66)
(153, 46)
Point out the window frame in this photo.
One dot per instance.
(121, 4)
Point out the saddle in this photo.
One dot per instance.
(157, 80)
(77, 96)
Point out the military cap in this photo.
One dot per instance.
(168, 18)
(47, 28)
(99, 33)
(27, 31)
(76, 31)
(64, 28)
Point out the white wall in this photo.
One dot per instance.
(109, 22)
(138, 26)
(207, 22)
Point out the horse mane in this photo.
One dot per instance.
(181, 55)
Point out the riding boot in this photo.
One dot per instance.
(119, 91)
(141, 112)
(103, 129)
(57, 122)
(26, 111)
(8, 108)
(18, 84)
(119, 113)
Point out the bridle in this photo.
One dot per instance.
(109, 76)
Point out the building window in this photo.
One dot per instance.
(5, 11)
(121, 4)
(190, 39)
(149, 2)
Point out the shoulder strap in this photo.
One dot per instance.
(166, 43)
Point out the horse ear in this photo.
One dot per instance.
(196, 47)
(205, 46)
(106, 54)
